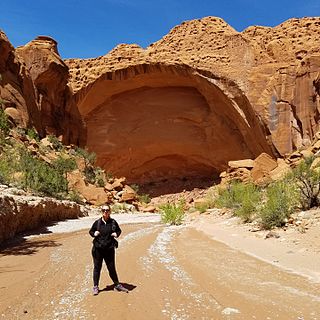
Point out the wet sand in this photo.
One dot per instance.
(171, 273)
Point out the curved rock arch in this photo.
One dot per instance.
(154, 122)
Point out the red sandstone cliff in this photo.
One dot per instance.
(202, 95)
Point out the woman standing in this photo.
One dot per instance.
(105, 230)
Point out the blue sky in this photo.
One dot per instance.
(91, 28)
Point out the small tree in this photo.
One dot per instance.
(65, 165)
(280, 203)
(89, 158)
(243, 198)
(41, 177)
(33, 134)
(307, 180)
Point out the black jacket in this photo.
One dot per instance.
(105, 240)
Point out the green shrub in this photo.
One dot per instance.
(89, 158)
(4, 122)
(100, 182)
(108, 175)
(99, 177)
(307, 180)
(250, 200)
(74, 196)
(119, 208)
(227, 197)
(64, 165)
(56, 143)
(6, 169)
(202, 207)
(41, 177)
(9, 164)
(280, 203)
(144, 198)
(135, 187)
(33, 134)
(243, 198)
(89, 174)
(172, 213)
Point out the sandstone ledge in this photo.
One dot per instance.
(20, 212)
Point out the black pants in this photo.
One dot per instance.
(108, 255)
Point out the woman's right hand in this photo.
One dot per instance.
(96, 233)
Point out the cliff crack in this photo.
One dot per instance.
(294, 112)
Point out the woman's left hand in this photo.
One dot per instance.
(113, 234)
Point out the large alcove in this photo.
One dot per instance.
(171, 126)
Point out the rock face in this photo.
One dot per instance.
(34, 90)
(16, 88)
(20, 212)
(201, 96)
(49, 75)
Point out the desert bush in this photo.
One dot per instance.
(227, 197)
(74, 195)
(202, 207)
(4, 122)
(41, 177)
(120, 208)
(307, 180)
(33, 134)
(56, 143)
(99, 177)
(243, 198)
(6, 169)
(9, 164)
(89, 158)
(144, 198)
(63, 166)
(250, 200)
(208, 202)
(94, 175)
(135, 188)
(280, 202)
(108, 175)
(100, 182)
(172, 213)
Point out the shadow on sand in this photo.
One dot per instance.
(21, 246)
(128, 286)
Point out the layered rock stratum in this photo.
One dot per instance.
(183, 107)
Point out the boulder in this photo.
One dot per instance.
(246, 163)
(118, 183)
(128, 194)
(94, 195)
(263, 165)
(149, 208)
(280, 171)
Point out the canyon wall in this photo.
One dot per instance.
(183, 107)
(21, 212)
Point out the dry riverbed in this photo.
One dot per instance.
(209, 268)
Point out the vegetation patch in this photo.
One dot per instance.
(306, 177)
(242, 198)
(280, 202)
(172, 213)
